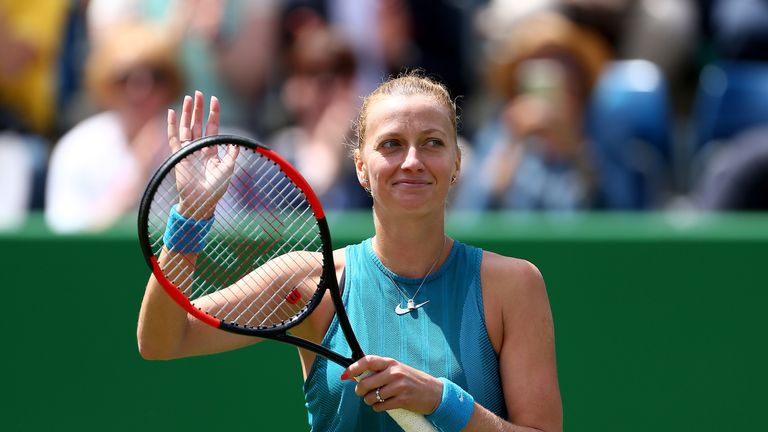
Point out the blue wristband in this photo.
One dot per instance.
(455, 409)
(186, 235)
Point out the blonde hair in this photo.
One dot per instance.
(412, 83)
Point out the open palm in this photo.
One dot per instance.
(202, 178)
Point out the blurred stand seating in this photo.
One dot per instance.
(732, 96)
(629, 126)
(729, 149)
(736, 177)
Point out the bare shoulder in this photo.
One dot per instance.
(339, 259)
(513, 293)
(509, 275)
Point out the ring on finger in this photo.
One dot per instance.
(378, 395)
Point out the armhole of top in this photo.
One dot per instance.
(477, 265)
(342, 280)
(479, 297)
(331, 328)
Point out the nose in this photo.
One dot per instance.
(412, 161)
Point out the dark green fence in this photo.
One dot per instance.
(660, 324)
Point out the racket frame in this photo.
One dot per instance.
(327, 279)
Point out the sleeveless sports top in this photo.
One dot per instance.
(445, 338)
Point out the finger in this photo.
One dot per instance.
(212, 127)
(185, 130)
(370, 382)
(229, 157)
(370, 363)
(373, 398)
(374, 376)
(388, 404)
(173, 132)
(197, 115)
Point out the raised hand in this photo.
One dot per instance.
(201, 180)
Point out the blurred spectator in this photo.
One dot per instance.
(16, 176)
(99, 168)
(661, 31)
(30, 37)
(73, 104)
(30, 42)
(498, 19)
(532, 154)
(228, 48)
(389, 36)
(320, 94)
(664, 32)
(380, 33)
(438, 37)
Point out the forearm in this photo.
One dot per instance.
(166, 331)
(483, 420)
(163, 324)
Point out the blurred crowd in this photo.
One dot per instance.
(566, 105)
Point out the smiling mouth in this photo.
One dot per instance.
(413, 182)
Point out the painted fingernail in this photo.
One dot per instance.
(345, 376)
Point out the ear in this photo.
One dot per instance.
(362, 173)
(457, 165)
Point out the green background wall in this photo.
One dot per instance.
(660, 322)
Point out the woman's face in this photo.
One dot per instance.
(409, 153)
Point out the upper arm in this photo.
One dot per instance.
(521, 321)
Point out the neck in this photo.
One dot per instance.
(409, 246)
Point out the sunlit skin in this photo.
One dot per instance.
(409, 155)
(407, 159)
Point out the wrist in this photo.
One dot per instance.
(186, 235)
(197, 214)
(455, 408)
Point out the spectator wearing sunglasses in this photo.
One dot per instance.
(99, 167)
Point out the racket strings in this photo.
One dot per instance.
(240, 317)
(273, 223)
(221, 248)
(274, 298)
(263, 256)
(280, 203)
(264, 306)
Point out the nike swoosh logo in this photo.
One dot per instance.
(402, 311)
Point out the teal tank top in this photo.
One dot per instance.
(446, 337)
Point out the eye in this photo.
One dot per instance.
(434, 143)
(389, 144)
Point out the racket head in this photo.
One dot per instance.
(267, 259)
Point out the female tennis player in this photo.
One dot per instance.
(461, 335)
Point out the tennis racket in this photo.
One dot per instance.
(264, 261)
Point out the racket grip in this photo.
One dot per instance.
(409, 421)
